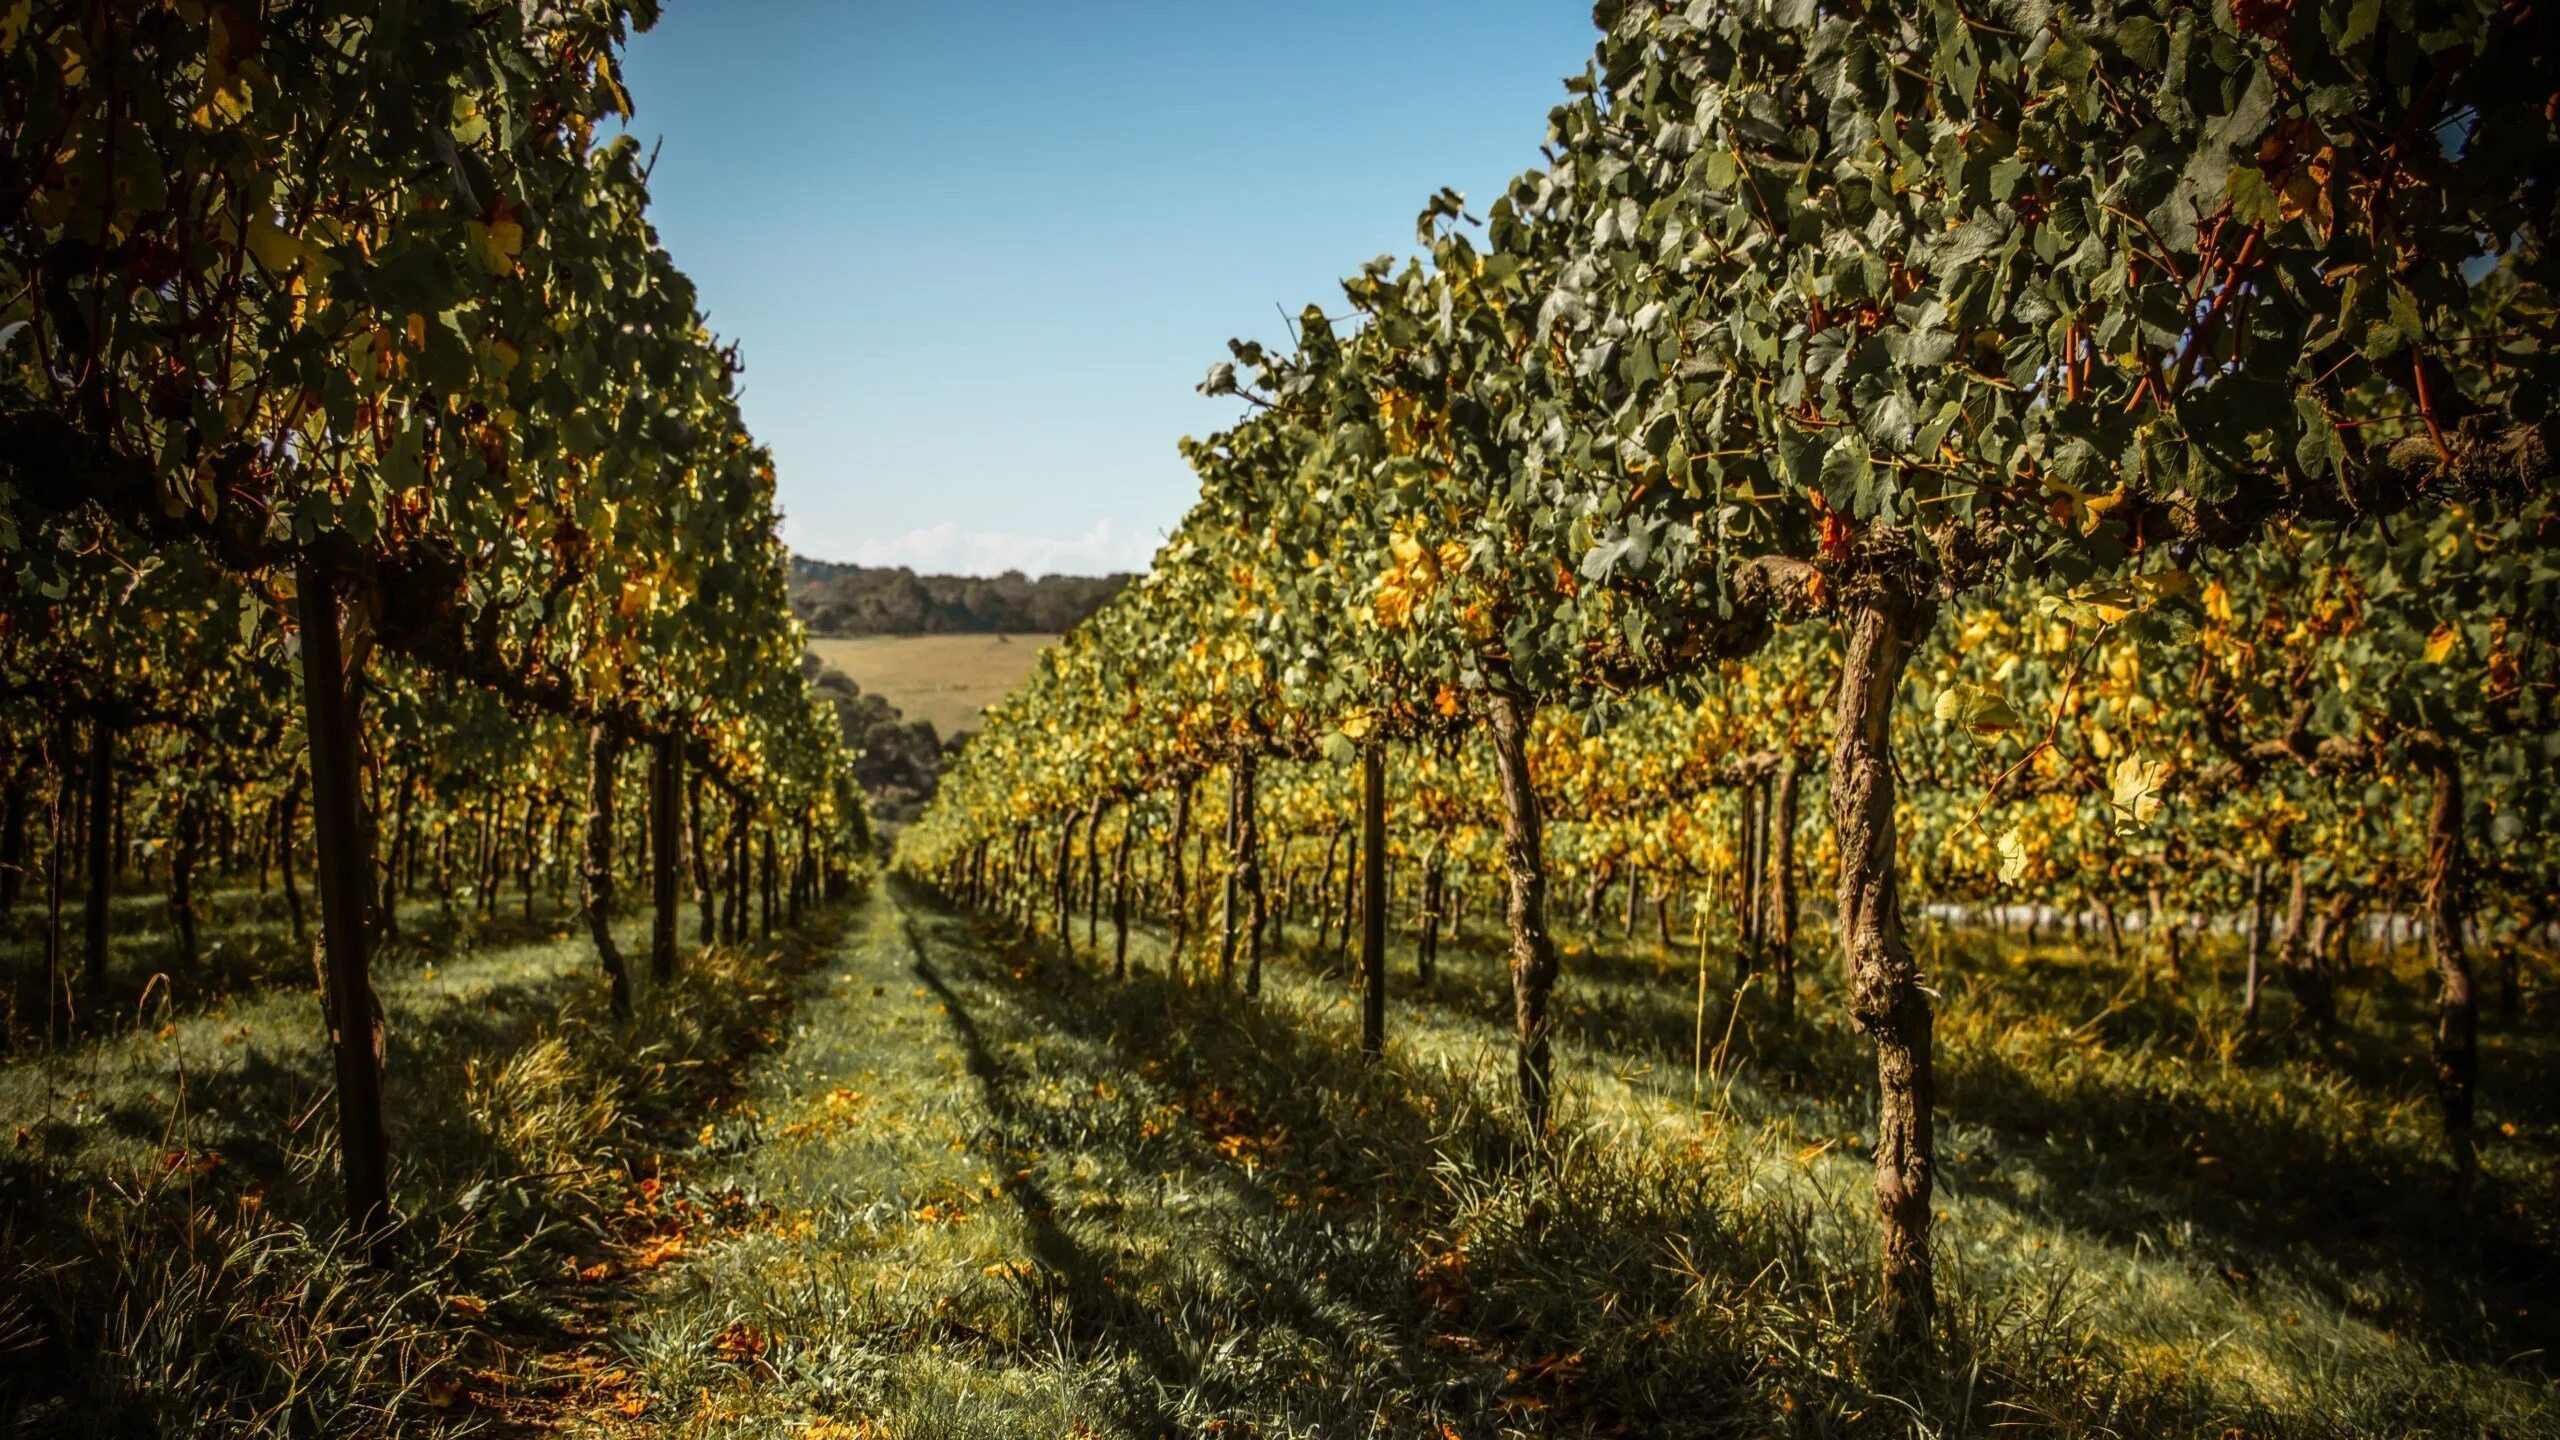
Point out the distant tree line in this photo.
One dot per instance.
(846, 600)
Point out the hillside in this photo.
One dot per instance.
(944, 679)
(902, 700)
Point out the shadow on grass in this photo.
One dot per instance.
(2125, 1147)
(1565, 1259)
(1587, 1289)
(246, 947)
(1102, 1315)
(176, 1254)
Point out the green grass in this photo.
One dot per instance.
(924, 1178)
(986, 1193)
(946, 679)
(170, 1261)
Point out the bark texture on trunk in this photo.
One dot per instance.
(1373, 898)
(1062, 887)
(1177, 896)
(1435, 901)
(1120, 894)
(57, 854)
(765, 890)
(288, 813)
(697, 855)
(1747, 853)
(1231, 887)
(2256, 940)
(346, 864)
(1350, 900)
(388, 873)
(1248, 863)
(595, 873)
(1782, 878)
(1886, 997)
(1524, 862)
(2299, 957)
(1324, 886)
(2457, 1046)
(1093, 877)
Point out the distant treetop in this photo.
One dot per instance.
(844, 600)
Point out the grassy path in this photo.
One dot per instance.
(980, 1191)
(955, 1210)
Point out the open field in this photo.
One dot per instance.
(946, 679)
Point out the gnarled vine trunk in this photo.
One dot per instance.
(765, 889)
(698, 862)
(2257, 942)
(1782, 878)
(595, 873)
(1231, 886)
(1178, 895)
(1746, 850)
(1324, 886)
(1093, 877)
(1886, 997)
(1062, 887)
(346, 863)
(1120, 894)
(1373, 899)
(2299, 958)
(1524, 863)
(2457, 1047)
(1248, 865)
(1435, 900)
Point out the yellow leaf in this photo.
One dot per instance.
(2134, 791)
(2013, 856)
(2440, 643)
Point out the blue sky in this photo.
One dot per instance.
(978, 254)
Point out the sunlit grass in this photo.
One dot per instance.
(1058, 1202)
(968, 1187)
(170, 1260)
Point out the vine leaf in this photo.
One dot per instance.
(2134, 791)
(1982, 712)
(2013, 856)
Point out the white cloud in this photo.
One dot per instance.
(946, 549)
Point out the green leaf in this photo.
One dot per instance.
(2253, 201)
